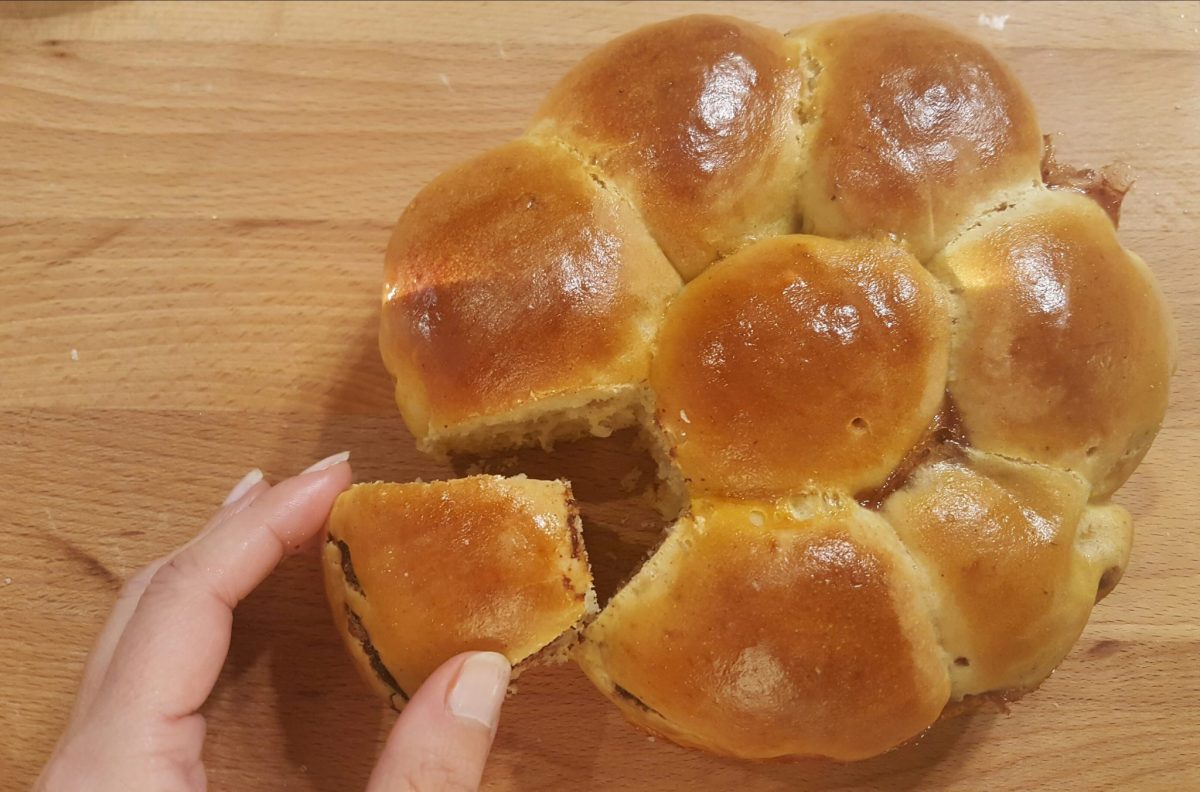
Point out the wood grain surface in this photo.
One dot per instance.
(194, 203)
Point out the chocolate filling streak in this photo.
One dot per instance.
(347, 567)
(573, 529)
(569, 587)
(944, 438)
(1107, 186)
(635, 701)
(356, 628)
(355, 625)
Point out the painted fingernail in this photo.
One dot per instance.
(327, 462)
(243, 486)
(479, 690)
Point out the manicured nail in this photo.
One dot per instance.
(243, 486)
(327, 462)
(479, 690)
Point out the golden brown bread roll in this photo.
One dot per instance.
(771, 629)
(519, 290)
(801, 362)
(417, 573)
(893, 448)
(1000, 542)
(912, 130)
(706, 148)
(1061, 353)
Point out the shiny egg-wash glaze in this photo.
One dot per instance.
(416, 573)
(1060, 356)
(517, 250)
(706, 150)
(901, 440)
(790, 344)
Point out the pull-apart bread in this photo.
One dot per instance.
(894, 363)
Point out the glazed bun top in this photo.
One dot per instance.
(914, 130)
(801, 361)
(693, 119)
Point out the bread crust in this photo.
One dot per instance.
(772, 629)
(514, 279)
(801, 362)
(1063, 349)
(416, 573)
(913, 129)
(694, 120)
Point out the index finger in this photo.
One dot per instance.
(172, 650)
(131, 593)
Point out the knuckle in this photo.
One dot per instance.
(171, 576)
(138, 581)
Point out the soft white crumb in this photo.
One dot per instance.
(8, 581)
(75, 354)
(683, 417)
(993, 21)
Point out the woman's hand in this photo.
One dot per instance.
(136, 723)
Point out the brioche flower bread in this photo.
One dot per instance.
(894, 360)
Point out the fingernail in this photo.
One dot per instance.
(243, 486)
(479, 690)
(327, 462)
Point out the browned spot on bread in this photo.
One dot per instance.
(573, 523)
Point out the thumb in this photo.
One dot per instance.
(442, 738)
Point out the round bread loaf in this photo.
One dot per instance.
(903, 379)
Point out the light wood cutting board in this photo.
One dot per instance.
(194, 202)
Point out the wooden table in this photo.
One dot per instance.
(194, 202)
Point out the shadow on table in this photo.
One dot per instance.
(939, 749)
(329, 721)
(559, 732)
